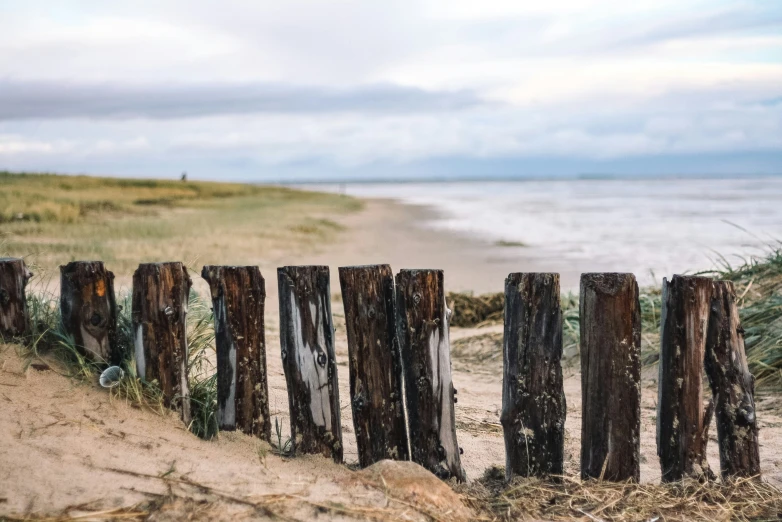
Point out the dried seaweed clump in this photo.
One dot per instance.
(470, 310)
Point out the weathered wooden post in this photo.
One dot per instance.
(89, 309)
(682, 419)
(160, 296)
(375, 363)
(307, 342)
(732, 385)
(238, 299)
(533, 396)
(14, 318)
(422, 323)
(610, 325)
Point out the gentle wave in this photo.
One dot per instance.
(650, 227)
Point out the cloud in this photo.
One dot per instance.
(261, 88)
(692, 26)
(54, 100)
(678, 123)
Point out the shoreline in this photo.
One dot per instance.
(396, 233)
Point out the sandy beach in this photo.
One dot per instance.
(65, 443)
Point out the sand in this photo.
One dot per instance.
(66, 444)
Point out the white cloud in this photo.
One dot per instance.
(356, 82)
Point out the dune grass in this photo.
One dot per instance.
(758, 283)
(53, 219)
(50, 345)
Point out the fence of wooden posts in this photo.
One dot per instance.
(401, 390)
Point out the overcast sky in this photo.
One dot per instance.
(256, 89)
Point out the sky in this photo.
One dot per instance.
(314, 89)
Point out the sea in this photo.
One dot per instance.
(652, 227)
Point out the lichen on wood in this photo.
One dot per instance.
(307, 349)
(533, 396)
(426, 356)
(238, 299)
(683, 416)
(610, 325)
(159, 321)
(733, 386)
(374, 362)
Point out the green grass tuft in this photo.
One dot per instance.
(758, 283)
(49, 344)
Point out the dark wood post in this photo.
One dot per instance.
(533, 396)
(374, 362)
(682, 418)
(238, 299)
(732, 385)
(426, 359)
(160, 296)
(14, 318)
(307, 342)
(89, 309)
(610, 324)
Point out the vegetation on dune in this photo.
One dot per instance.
(67, 199)
(122, 222)
(49, 345)
(54, 219)
(758, 283)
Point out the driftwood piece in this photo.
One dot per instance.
(160, 297)
(533, 396)
(307, 342)
(682, 417)
(238, 299)
(610, 317)
(733, 386)
(375, 363)
(14, 317)
(426, 358)
(89, 309)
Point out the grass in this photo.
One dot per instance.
(758, 284)
(48, 344)
(202, 372)
(53, 219)
(505, 243)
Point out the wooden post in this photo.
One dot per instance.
(160, 297)
(732, 385)
(374, 362)
(14, 317)
(238, 299)
(533, 396)
(89, 309)
(610, 325)
(426, 358)
(307, 342)
(682, 418)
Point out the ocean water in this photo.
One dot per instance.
(652, 227)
